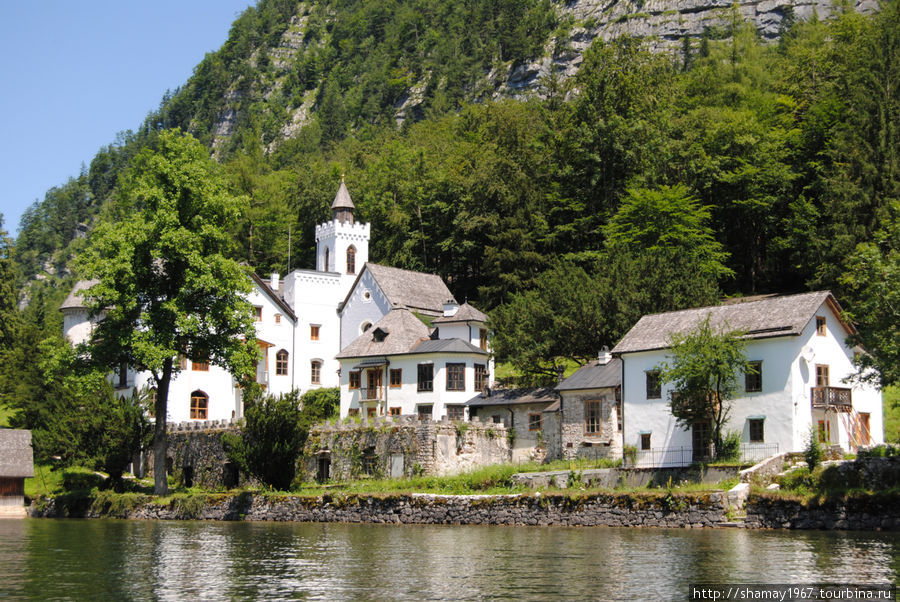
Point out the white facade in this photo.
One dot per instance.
(366, 304)
(781, 412)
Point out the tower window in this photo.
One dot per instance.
(351, 259)
(327, 257)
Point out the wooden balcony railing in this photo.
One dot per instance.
(372, 393)
(823, 397)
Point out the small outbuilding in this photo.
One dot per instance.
(16, 464)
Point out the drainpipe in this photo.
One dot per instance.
(622, 397)
(386, 383)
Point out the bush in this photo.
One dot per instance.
(729, 449)
(813, 452)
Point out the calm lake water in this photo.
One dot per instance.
(109, 559)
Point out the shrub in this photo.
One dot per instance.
(81, 479)
(730, 448)
(813, 452)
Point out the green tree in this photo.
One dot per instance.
(274, 432)
(9, 315)
(704, 369)
(164, 285)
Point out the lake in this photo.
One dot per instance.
(100, 559)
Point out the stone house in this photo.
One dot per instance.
(530, 413)
(590, 409)
(801, 380)
(16, 464)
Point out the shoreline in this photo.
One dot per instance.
(646, 509)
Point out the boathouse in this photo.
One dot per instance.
(16, 464)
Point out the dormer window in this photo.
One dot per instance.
(379, 334)
(821, 328)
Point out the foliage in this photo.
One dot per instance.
(704, 368)
(730, 450)
(274, 432)
(891, 407)
(813, 453)
(164, 285)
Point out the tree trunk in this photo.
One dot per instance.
(160, 444)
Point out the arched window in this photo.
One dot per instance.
(351, 259)
(199, 405)
(281, 363)
(315, 372)
(364, 327)
(327, 254)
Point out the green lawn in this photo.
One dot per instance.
(892, 414)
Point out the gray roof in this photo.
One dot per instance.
(594, 375)
(509, 397)
(404, 330)
(447, 346)
(266, 288)
(75, 300)
(465, 313)
(342, 199)
(757, 318)
(16, 457)
(414, 290)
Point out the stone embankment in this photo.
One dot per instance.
(591, 509)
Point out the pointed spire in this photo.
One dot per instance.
(342, 207)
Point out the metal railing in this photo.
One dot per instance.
(823, 397)
(671, 457)
(372, 393)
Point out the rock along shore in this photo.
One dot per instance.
(664, 509)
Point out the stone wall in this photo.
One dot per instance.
(386, 447)
(863, 512)
(610, 478)
(196, 457)
(614, 510)
(574, 442)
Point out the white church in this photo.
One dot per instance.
(306, 319)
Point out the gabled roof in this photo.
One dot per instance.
(16, 457)
(274, 296)
(447, 346)
(594, 375)
(510, 397)
(342, 199)
(405, 288)
(465, 313)
(404, 330)
(75, 300)
(778, 316)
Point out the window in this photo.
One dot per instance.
(200, 362)
(821, 326)
(315, 372)
(456, 377)
(313, 332)
(757, 434)
(618, 411)
(182, 362)
(654, 387)
(645, 441)
(278, 318)
(593, 421)
(482, 338)
(199, 405)
(395, 411)
(327, 257)
(281, 363)
(821, 375)
(257, 313)
(824, 431)
(534, 421)
(123, 375)
(456, 412)
(496, 419)
(354, 379)
(424, 412)
(753, 378)
(426, 377)
(351, 259)
(396, 377)
(480, 377)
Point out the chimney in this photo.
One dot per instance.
(604, 356)
(274, 281)
(450, 308)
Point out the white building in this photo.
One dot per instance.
(400, 365)
(797, 345)
(304, 319)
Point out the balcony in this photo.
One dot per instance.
(831, 397)
(375, 393)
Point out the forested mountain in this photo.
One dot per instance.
(502, 144)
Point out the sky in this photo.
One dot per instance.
(74, 74)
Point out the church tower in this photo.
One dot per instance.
(342, 245)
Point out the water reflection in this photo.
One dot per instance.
(76, 559)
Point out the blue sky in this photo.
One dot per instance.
(74, 74)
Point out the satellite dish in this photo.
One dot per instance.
(808, 354)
